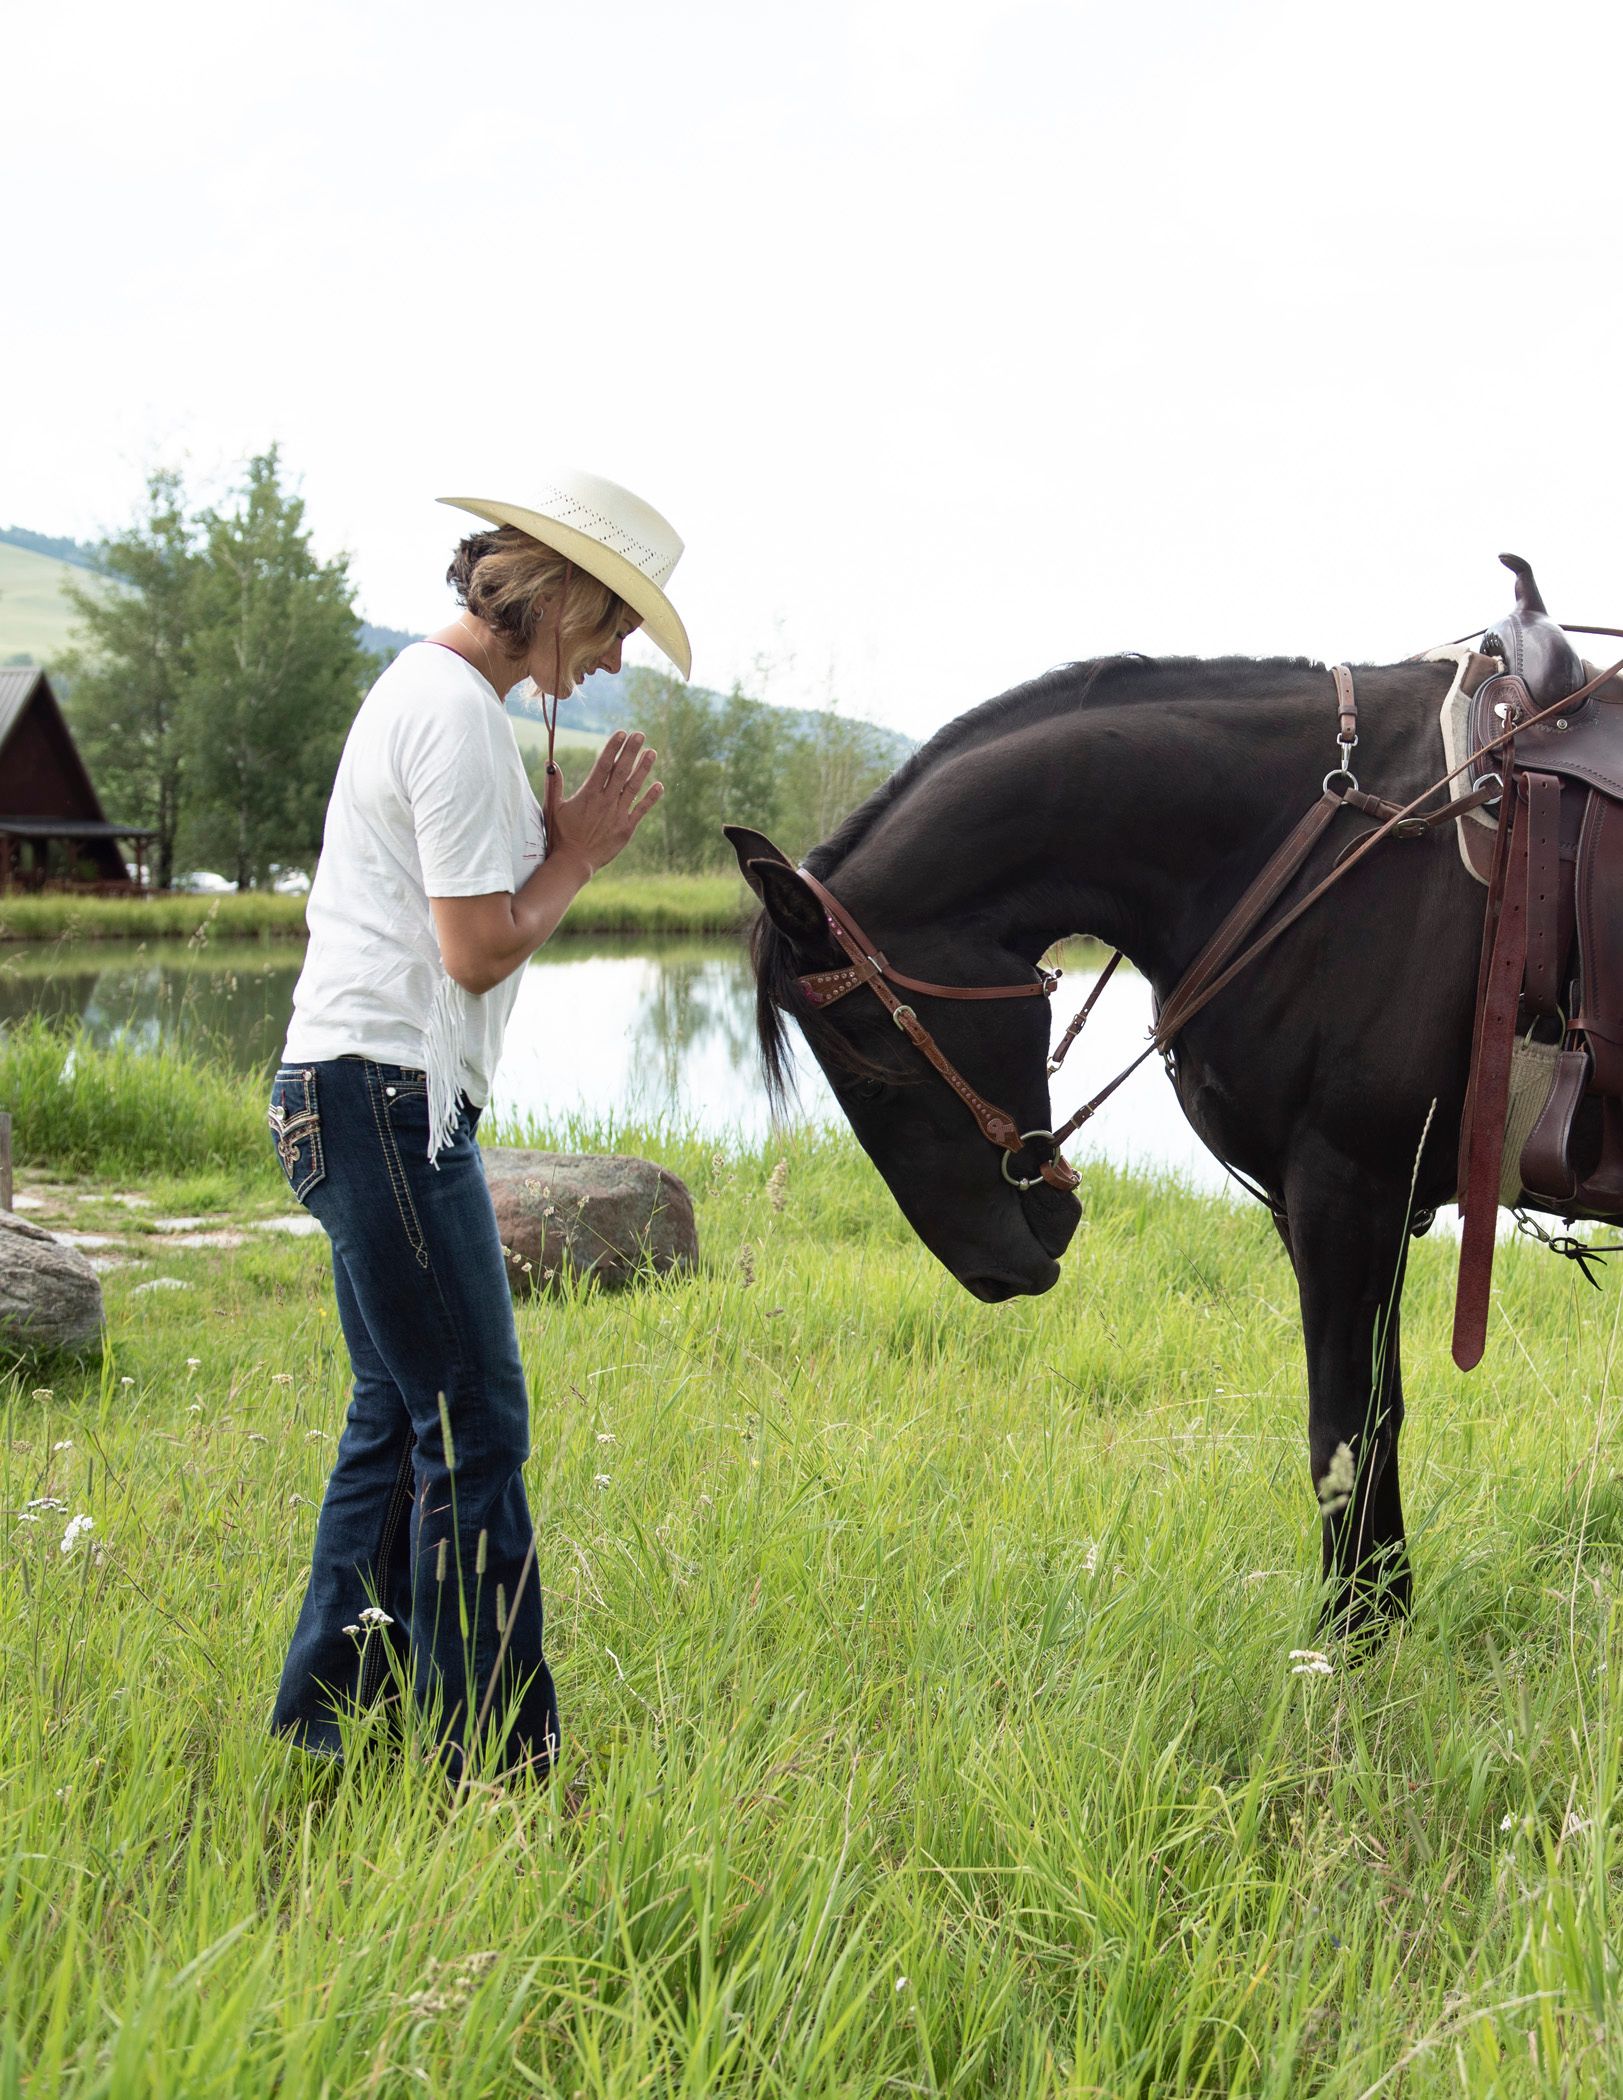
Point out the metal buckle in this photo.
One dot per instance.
(896, 1014)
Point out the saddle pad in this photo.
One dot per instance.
(1476, 828)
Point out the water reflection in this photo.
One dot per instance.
(637, 1030)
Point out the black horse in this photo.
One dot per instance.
(1136, 800)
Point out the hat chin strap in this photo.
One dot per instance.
(549, 715)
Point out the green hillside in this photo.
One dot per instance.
(36, 619)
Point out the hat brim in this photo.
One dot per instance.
(660, 620)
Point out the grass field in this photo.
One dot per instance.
(933, 1719)
(610, 904)
(36, 619)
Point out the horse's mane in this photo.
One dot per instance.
(1130, 676)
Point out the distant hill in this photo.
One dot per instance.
(36, 623)
(385, 642)
(36, 620)
(75, 552)
(603, 703)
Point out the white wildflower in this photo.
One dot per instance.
(126, 1381)
(77, 1527)
(901, 1983)
(1090, 1560)
(27, 1516)
(1507, 1822)
(43, 1392)
(65, 1445)
(355, 1630)
(605, 1436)
(600, 1480)
(1308, 1662)
(375, 1615)
(1574, 1825)
(193, 1362)
(46, 1502)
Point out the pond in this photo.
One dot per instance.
(633, 1030)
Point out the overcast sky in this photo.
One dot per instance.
(956, 339)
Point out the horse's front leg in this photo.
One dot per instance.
(1348, 1239)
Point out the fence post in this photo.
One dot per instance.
(5, 1160)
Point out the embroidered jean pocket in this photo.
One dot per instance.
(295, 1125)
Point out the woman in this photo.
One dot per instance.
(440, 875)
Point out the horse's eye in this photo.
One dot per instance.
(867, 1089)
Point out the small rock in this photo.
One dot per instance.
(296, 1227)
(131, 1200)
(160, 1283)
(596, 1215)
(22, 1202)
(50, 1299)
(222, 1238)
(180, 1224)
(87, 1239)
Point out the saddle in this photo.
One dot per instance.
(1549, 1012)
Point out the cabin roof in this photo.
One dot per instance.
(71, 828)
(17, 684)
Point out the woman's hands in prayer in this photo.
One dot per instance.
(485, 939)
(596, 822)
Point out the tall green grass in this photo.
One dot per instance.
(252, 914)
(124, 1109)
(933, 1723)
(611, 904)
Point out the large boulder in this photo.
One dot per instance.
(588, 1215)
(50, 1297)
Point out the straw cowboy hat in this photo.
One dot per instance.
(612, 535)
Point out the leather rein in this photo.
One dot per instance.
(1230, 950)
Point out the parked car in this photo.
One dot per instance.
(202, 883)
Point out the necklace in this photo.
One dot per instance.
(484, 650)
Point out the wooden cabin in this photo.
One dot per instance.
(54, 833)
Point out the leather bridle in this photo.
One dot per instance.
(871, 967)
(1218, 963)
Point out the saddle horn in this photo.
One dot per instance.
(1528, 597)
(1529, 643)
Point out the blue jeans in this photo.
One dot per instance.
(435, 1533)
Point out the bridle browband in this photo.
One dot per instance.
(870, 966)
(1214, 967)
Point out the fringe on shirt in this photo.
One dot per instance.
(443, 1036)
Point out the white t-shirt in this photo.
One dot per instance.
(431, 800)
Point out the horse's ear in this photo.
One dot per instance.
(752, 845)
(788, 903)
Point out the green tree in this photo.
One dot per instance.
(829, 767)
(277, 670)
(682, 834)
(752, 740)
(129, 675)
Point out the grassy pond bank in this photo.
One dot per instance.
(610, 904)
(936, 1717)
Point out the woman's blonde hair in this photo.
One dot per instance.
(513, 582)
